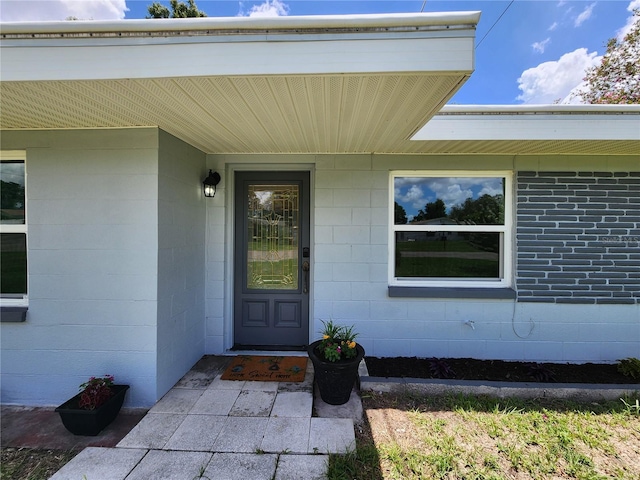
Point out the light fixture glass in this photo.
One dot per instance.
(210, 183)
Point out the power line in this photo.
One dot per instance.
(423, 4)
(494, 23)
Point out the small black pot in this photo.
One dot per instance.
(91, 422)
(335, 380)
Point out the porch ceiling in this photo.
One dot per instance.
(243, 114)
(352, 113)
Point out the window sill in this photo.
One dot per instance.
(452, 292)
(13, 314)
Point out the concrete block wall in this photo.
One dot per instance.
(217, 276)
(181, 260)
(350, 215)
(92, 205)
(350, 259)
(578, 237)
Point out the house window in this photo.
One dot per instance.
(450, 229)
(13, 230)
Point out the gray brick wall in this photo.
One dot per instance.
(578, 237)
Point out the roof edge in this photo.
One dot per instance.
(246, 23)
(539, 109)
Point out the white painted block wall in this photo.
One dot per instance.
(217, 335)
(350, 201)
(92, 257)
(181, 260)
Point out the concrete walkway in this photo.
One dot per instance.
(206, 427)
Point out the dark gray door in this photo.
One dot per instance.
(272, 260)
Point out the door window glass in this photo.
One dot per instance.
(272, 237)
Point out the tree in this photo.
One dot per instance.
(178, 10)
(11, 200)
(617, 78)
(431, 210)
(486, 210)
(400, 214)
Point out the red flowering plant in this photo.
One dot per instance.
(95, 392)
(338, 342)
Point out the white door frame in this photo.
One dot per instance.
(229, 248)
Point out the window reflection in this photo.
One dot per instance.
(447, 254)
(12, 197)
(449, 200)
(13, 264)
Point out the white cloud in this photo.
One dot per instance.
(269, 8)
(44, 10)
(540, 46)
(553, 26)
(555, 80)
(455, 190)
(630, 20)
(414, 196)
(454, 195)
(584, 16)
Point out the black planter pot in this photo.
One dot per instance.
(91, 422)
(335, 380)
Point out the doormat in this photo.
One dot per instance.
(266, 369)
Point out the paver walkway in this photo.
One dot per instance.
(206, 427)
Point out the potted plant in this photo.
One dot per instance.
(335, 361)
(95, 407)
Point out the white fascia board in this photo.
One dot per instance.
(539, 122)
(539, 108)
(442, 55)
(378, 44)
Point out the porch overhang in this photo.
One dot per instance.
(334, 84)
(531, 130)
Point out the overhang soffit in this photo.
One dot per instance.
(242, 114)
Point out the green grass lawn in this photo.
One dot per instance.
(444, 266)
(409, 436)
(447, 267)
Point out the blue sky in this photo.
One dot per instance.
(527, 51)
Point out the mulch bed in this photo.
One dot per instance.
(495, 370)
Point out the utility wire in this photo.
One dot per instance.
(494, 23)
(423, 4)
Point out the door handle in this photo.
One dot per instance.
(305, 269)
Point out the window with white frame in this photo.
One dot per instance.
(13, 230)
(450, 229)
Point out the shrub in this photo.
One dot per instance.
(440, 368)
(540, 373)
(629, 367)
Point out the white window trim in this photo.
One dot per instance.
(507, 232)
(18, 300)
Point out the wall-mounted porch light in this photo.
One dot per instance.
(210, 183)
